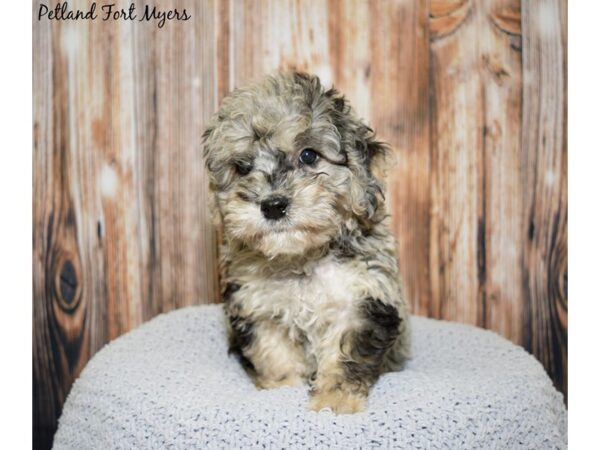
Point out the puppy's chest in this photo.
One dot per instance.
(310, 302)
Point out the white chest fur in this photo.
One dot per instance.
(325, 296)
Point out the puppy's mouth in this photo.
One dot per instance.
(280, 228)
(288, 228)
(285, 227)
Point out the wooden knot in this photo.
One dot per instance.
(445, 16)
(67, 286)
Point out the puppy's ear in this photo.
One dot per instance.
(213, 156)
(209, 161)
(372, 156)
(206, 146)
(366, 159)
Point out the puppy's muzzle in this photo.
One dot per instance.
(274, 208)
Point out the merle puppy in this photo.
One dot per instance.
(312, 289)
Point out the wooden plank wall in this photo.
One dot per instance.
(470, 94)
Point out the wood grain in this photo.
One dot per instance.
(47, 395)
(121, 227)
(176, 102)
(456, 142)
(471, 95)
(67, 298)
(499, 219)
(400, 113)
(545, 192)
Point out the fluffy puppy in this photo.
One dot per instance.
(309, 271)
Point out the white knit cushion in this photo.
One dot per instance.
(171, 384)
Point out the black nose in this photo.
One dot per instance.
(274, 208)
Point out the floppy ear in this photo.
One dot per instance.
(207, 152)
(372, 157)
(366, 160)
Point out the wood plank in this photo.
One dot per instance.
(47, 395)
(500, 212)
(545, 180)
(68, 282)
(456, 140)
(399, 97)
(176, 93)
(107, 126)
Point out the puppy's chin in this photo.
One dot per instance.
(291, 242)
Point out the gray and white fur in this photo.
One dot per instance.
(310, 276)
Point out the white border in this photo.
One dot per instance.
(584, 225)
(16, 226)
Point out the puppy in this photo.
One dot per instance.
(311, 284)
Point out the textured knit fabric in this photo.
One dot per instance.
(170, 384)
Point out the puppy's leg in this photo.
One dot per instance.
(277, 359)
(351, 358)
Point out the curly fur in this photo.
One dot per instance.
(316, 295)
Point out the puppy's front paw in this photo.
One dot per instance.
(340, 401)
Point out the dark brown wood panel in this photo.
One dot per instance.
(545, 185)
(68, 293)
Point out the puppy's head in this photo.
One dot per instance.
(291, 166)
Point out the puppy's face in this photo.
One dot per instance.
(291, 165)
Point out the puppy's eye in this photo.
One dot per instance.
(243, 168)
(308, 156)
